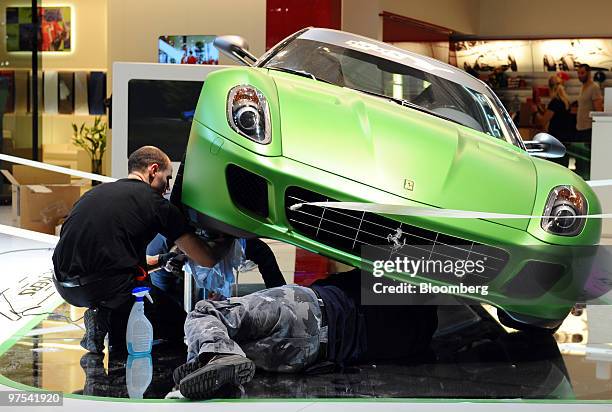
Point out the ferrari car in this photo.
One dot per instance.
(330, 116)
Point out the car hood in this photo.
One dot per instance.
(402, 151)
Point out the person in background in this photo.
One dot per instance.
(562, 124)
(589, 100)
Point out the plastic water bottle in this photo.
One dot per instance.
(138, 375)
(139, 333)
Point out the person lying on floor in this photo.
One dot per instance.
(294, 328)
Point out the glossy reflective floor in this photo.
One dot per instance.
(472, 356)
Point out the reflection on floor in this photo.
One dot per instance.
(471, 357)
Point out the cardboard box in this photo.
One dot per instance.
(40, 198)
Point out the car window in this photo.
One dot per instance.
(362, 71)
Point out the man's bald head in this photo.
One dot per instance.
(152, 166)
(144, 157)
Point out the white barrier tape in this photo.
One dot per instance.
(28, 234)
(403, 210)
(58, 169)
(599, 183)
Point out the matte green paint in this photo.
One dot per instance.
(355, 147)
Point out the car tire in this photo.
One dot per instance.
(513, 65)
(568, 63)
(549, 63)
(506, 320)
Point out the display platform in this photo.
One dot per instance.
(472, 359)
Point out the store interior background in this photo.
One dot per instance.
(109, 31)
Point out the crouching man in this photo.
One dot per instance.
(100, 256)
(296, 329)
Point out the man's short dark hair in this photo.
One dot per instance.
(585, 67)
(144, 157)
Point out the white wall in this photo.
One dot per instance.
(458, 15)
(496, 18)
(362, 16)
(135, 25)
(541, 18)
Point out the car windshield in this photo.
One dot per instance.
(404, 84)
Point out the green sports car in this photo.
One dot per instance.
(331, 116)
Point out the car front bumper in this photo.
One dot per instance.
(219, 198)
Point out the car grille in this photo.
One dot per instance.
(349, 231)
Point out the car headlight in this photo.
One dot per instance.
(563, 205)
(248, 113)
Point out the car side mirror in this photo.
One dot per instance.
(236, 48)
(545, 146)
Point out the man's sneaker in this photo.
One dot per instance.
(96, 329)
(221, 370)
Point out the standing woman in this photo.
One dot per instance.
(562, 125)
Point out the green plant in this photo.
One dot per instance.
(92, 139)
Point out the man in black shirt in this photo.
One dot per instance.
(101, 254)
(294, 328)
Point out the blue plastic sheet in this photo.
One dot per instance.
(219, 279)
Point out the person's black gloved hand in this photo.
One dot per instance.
(175, 264)
(164, 258)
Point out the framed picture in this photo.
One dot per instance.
(55, 29)
(187, 50)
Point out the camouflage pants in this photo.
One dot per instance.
(279, 329)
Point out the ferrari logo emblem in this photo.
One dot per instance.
(395, 239)
(409, 184)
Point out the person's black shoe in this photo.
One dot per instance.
(185, 369)
(96, 379)
(220, 371)
(96, 329)
(189, 367)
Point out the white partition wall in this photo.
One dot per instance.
(122, 74)
(601, 167)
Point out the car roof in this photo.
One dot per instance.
(396, 54)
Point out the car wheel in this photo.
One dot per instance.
(513, 65)
(506, 320)
(549, 63)
(568, 63)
